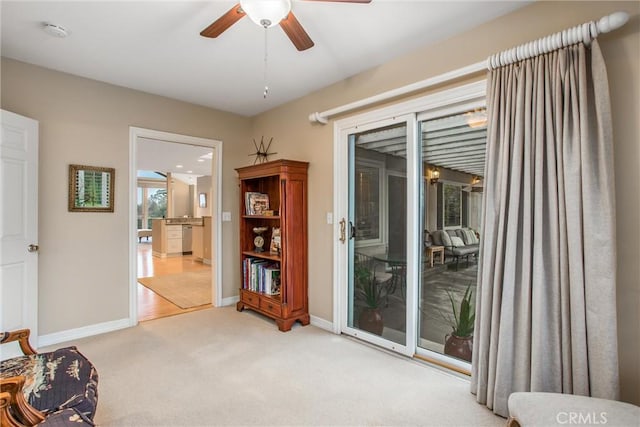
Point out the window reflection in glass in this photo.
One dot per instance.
(367, 206)
(378, 202)
(152, 197)
(452, 205)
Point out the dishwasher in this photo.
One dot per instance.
(186, 240)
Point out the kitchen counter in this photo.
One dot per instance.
(183, 221)
(169, 237)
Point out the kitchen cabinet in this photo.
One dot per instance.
(167, 235)
(202, 241)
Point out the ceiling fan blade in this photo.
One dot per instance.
(225, 21)
(344, 1)
(296, 33)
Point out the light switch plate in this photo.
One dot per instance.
(329, 217)
(226, 216)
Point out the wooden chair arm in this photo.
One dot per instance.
(22, 336)
(6, 419)
(21, 411)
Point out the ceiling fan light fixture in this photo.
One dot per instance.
(55, 30)
(266, 13)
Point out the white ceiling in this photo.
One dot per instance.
(155, 46)
(186, 162)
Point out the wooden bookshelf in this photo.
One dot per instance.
(285, 183)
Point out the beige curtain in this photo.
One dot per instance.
(546, 313)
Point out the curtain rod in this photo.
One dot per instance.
(580, 33)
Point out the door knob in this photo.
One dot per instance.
(33, 248)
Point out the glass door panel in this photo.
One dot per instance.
(453, 156)
(377, 297)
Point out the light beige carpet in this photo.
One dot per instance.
(220, 367)
(185, 290)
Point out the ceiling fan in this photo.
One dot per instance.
(268, 13)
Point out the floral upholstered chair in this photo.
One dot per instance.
(56, 388)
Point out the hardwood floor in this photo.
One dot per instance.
(151, 305)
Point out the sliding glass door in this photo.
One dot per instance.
(409, 198)
(452, 161)
(377, 296)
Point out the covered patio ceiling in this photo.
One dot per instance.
(456, 142)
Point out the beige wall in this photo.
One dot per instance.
(179, 199)
(82, 121)
(296, 138)
(204, 186)
(84, 261)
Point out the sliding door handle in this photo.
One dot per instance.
(343, 236)
(352, 231)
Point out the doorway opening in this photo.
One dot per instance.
(175, 189)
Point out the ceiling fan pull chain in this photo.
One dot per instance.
(266, 84)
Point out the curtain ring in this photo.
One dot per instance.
(531, 49)
(594, 29)
(586, 36)
(571, 36)
(548, 44)
(558, 41)
(520, 53)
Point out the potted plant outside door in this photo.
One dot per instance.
(369, 291)
(459, 343)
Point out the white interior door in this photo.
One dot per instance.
(18, 226)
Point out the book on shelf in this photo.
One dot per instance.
(260, 275)
(272, 280)
(276, 241)
(256, 203)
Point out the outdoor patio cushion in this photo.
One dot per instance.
(436, 239)
(468, 236)
(445, 238)
(457, 241)
(464, 250)
(57, 380)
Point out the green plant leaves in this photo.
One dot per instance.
(463, 316)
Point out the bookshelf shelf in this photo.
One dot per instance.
(275, 285)
(263, 255)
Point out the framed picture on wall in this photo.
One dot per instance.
(91, 188)
(202, 200)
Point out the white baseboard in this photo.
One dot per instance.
(322, 323)
(230, 300)
(83, 332)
